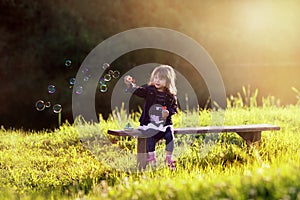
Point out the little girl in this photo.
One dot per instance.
(160, 105)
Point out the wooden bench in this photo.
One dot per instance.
(250, 133)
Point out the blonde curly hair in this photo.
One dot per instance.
(166, 72)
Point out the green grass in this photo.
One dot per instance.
(57, 164)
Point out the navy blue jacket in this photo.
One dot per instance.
(148, 92)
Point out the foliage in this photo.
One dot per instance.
(58, 164)
(36, 37)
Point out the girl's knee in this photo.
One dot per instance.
(169, 135)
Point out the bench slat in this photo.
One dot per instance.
(250, 133)
(206, 129)
(219, 129)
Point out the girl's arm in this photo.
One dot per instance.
(173, 106)
(172, 109)
(140, 91)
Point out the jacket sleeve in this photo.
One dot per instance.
(173, 106)
(140, 91)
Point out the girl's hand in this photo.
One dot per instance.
(128, 80)
(165, 114)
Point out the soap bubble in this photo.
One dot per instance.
(103, 88)
(68, 63)
(79, 90)
(116, 74)
(72, 81)
(40, 105)
(107, 77)
(57, 108)
(110, 72)
(101, 81)
(86, 78)
(105, 66)
(85, 70)
(51, 89)
(48, 104)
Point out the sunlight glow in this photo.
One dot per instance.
(259, 18)
(267, 17)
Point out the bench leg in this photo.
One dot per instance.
(251, 137)
(142, 153)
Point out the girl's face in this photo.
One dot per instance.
(159, 82)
